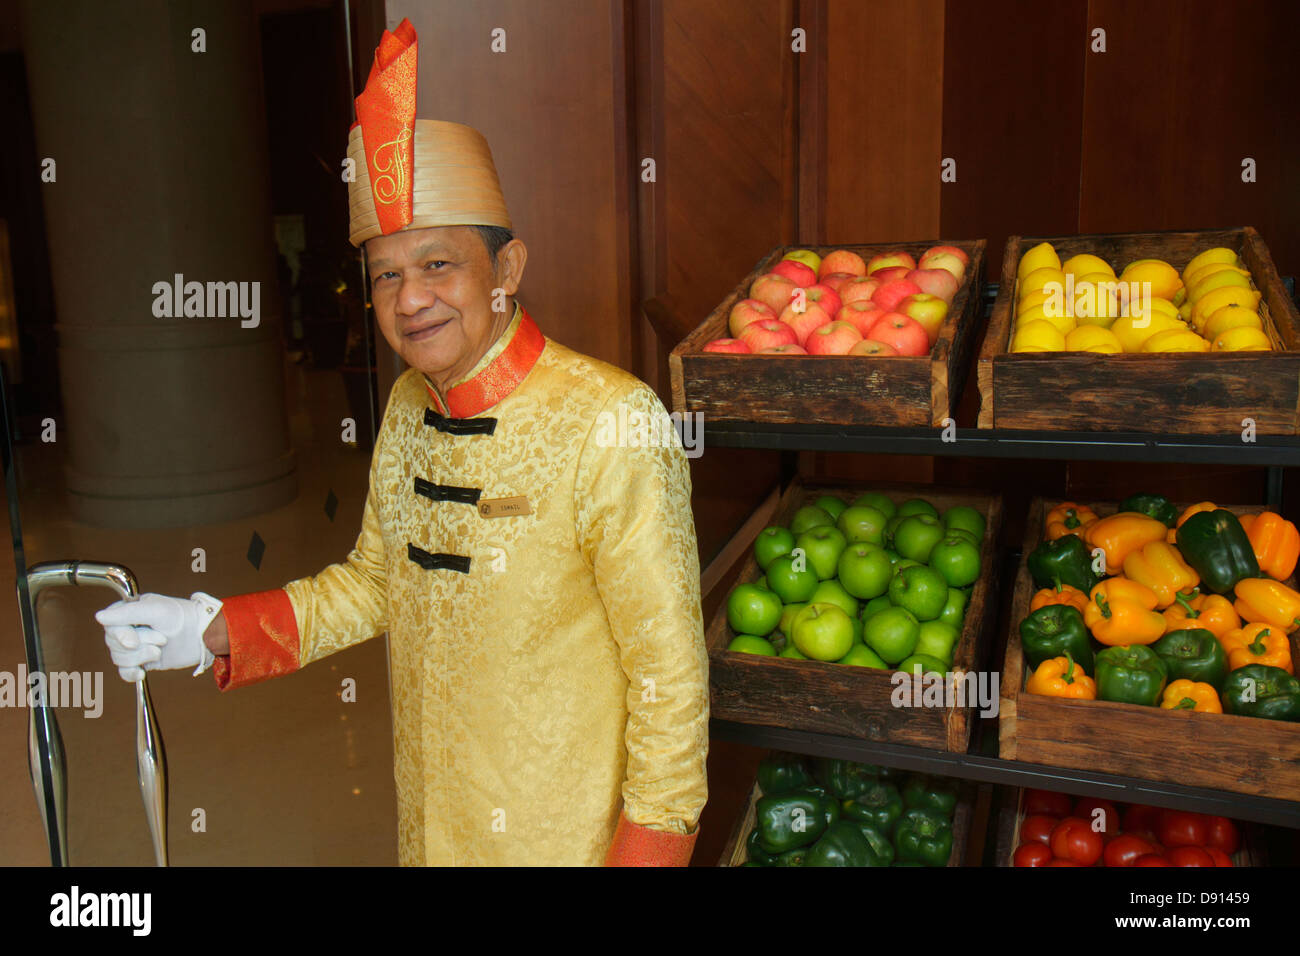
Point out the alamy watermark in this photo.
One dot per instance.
(954, 689)
(631, 428)
(66, 689)
(208, 300)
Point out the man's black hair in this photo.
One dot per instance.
(495, 238)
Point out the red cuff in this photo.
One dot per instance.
(263, 639)
(635, 845)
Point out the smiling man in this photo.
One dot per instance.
(539, 586)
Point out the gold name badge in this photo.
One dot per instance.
(504, 507)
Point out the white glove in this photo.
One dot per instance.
(156, 632)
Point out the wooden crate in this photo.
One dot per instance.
(1219, 751)
(735, 852)
(833, 389)
(839, 699)
(1174, 393)
(1250, 853)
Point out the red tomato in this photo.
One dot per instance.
(1220, 858)
(1032, 854)
(1107, 819)
(1074, 839)
(1125, 849)
(1180, 828)
(1048, 803)
(1222, 834)
(1141, 820)
(1038, 827)
(1151, 859)
(1190, 856)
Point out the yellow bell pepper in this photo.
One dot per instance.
(1193, 509)
(1275, 541)
(1121, 533)
(1122, 612)
(1068, 518)
(1258, 644)
(1066, 594)
(1161, 568)
(1268, 602)
(1214, 612)
(1062, 677)
(1184, 694)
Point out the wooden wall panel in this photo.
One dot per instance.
(548, 107)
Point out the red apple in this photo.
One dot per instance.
(727, 345)
(861, 315)
(928, 310)
(814, 316)
(836, 279)
(938, 282)
(773, 291)
(891, 293)
(872, 347)
(951, 250)
(895, 257)
(797, 272)
(857, 289)
(834, 339)
(783, 350)
(841, 260)
(903, 333)
(945, 260)
(890, 273)
(746, 312)
(824, 296)
(762, 335)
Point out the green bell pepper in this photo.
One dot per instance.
(1258, 690)
(924, 837)
(1053, 630)
(922, 792)
(879, 840)
(843, 844)
(1153, 506)
(1194, 654)
(880, 805)
(796, 857)
(792, 819)
(1066, 560)
(755, 851)
(1215, 545)
(781, 772)
(1131, 675)
(843, 778)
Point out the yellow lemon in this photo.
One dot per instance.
(1039, 280)
(1159, 275)
(1092, 338)
(1155, 306)
(1181, 297)
(1042, 255)
(1229, 277)
(1085, 264)
(1175, 340)
(1038, 336)
(1243, 339)
(1133, 330)
(1040, 313)
(1207, 270)
(1231, 317)
(1096, 299)
(1212, 302)
(1219, 254)
(1185, 312)
(1052, 303)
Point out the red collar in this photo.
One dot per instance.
(498, 378)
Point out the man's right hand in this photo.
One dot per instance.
(156, 632)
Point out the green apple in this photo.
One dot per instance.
(753, 610)
(921, 590)
(831, 505)
(860, 655)
(823, 632)
(891, 527)
(832, 592)
(809, 517)
(916, 535)
(937, 639)
(875, 606)
(919, 664)
(864, 570)
(822, 547)
(762, 583)
(787, 618)
(966, 518)
(963, 533)
(863, 524)
(792, 652)
(917, 506)
(957, 560)
(857, 629)
(904, 563)
(892, 633)
(894, 557)
(771, 543)
(954, 609)
(874, 499)
(791, 578)
(749, 644)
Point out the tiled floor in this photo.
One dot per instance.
(285, 772)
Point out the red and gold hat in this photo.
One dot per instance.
(414, 174)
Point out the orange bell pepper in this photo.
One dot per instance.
(1259, 599)
(1161, 567)
(1193, 509)
(1062, 677)
(1214, 612)
(1275, 541)
(1065, 594)
(1192, 695)
(1122, 612)
(1120, 534)
(1258, 644)
(1068, 518)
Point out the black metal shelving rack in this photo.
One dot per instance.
(980, 762)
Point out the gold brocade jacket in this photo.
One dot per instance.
(539, 582)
